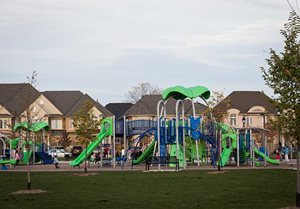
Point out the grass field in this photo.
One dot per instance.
(189, 189)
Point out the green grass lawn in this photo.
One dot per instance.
(189, 189)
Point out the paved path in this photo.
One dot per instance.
(64, 166)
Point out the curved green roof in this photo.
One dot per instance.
(35, 127)
(180, 92)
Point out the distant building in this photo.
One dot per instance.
(54, 107)
(254, 107)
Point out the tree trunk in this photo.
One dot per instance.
(28, 163)
(219, 147)
(85, 164)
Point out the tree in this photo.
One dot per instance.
(217, 109)
(86, 126)
(283, 76)
(136, 93)
(218, 106)
(65, 140)
(30, 115)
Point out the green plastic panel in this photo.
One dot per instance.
(180, 92)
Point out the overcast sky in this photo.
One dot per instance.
(104, 47)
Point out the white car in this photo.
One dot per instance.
(60, 153)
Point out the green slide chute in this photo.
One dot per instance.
(4, 162)
(174, 154)
(269, 160)
(26, 157)
(147, 152)
(106, 130)
(227, 134)
(86, 153)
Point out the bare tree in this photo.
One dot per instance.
(30, 115)
(136, 93)
(218, 106)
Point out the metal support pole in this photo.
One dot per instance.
(110, 150)
(161, 102)
(10, 152)
(238, 149)
(177, 129)
(265, 143)
(219, 149)
(33, 148)
(124, 134)
(114, 139)
(183, 137)
(252, 145)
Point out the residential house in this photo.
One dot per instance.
(54, 107)
(68, 102)
(16, 99)
(249, 109)
(118, 109)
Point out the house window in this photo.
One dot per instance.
(3, 124)
(249, 121)
(56, 124)
(233, 119)
(71, 126)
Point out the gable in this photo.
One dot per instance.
(42, 107)
(4, 111)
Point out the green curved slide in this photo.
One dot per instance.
(86, 153)
(227, 132)
(173, 153)
(26, 157)
(269, 160)
(147, 152)
(4, 162)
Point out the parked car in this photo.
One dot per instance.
(60, 153)
(76, 150)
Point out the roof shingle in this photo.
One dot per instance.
(244, 100)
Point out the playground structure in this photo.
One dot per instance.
(185, 137)
(37, 150)
(220, 141)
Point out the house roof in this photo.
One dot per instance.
(147, 105)
(118, 109)
(84, 99)
(63, 100)
(245, 100)
(16, 97)
(68, 102)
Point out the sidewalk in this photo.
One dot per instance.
(65, 167)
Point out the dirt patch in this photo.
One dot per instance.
(216, 172)
(32, 191)
(291, 207)
(85, 174)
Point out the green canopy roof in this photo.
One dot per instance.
(180, 92)
(35, 127)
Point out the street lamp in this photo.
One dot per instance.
(244, 121)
